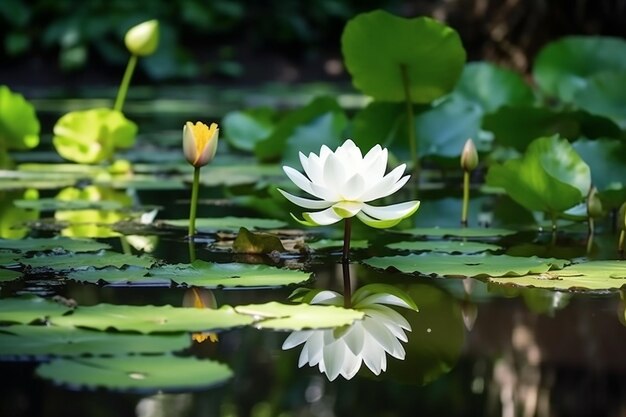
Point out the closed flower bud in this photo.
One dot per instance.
(469, 157)
(143, 39)
(200, 143)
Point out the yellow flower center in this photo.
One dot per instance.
(202, 134)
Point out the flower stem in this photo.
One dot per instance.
(128, 74)
(192, 250)
(620, 244)
(406, 82)
(466, 185)
(347, 285)
(347, 230)
(194, 202)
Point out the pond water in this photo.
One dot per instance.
(474, 348)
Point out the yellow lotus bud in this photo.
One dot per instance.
(200, 143)
(469, 156)
(594, 205)
(143, 39)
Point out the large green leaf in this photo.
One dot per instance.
(136, 373)
(518, 126)
(91, 136)
(27, 309)
(550, 177)
(71, 261)
(593, 275)
(149, 318)
(605, 95)
(279, 316)
(53, 244)
(473, 266)
(379, 123)
(19, 126)
(22, 342)
(378, 46)
(564, 66)
(492, 87)
(229, 275)
(243, 129)
(296, 128)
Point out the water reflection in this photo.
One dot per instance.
(13, 219)
(344, 350)
(201, 298)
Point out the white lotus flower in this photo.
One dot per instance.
(342, 351)
(344, 182)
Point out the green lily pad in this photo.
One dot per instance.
(473, 266)
(551, 177)
(279, 316)
(600, 96)
(53, 244)
(19, 126)
(229, 275)
(563, 67)
(27, 309)
(209, 225)
(468, 232)
(379, 123)
(592, 275)
(91, 136)
(518, 126)
(136, 373)
(492, 87)
(9, 275)
(71, 261)
(337, 243)
(149, 318)
(132, 276)
(448, 246)
(243, 129)
(8, 258)
(377, 46)
(21, 342)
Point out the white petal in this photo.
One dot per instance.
(351, 365)
(334, 171)
(295, 339)
(387, 314)
(371, 222)
(312, 167)
(352, 188)
(297, 178)
(322, 218)
(354, 338)
(374, 167)
(327, 298)
(373, 354)
(305, 202)
(333, 359)
(387, 183)
(394, 211)
(315, 347)
(325, 193)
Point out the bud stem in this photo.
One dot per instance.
(466, 185)
(194, 202)
(128, 74)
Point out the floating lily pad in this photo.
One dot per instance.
(136, 373)
(149, 318)
(337, 243)
(279, 316)
(593, 275)
(8, 258)
(208, 225)
(79, 261)
(8, 275)
(468, 232)
(474, 266)
(56, 243)
(52, 204)
(448, 246)
(22, 342)
(27, 309)
(132, 276)
(229, 275)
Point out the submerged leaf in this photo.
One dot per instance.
(141, 374)
(257, 243)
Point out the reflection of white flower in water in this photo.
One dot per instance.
(342, 351)
(344, 182)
